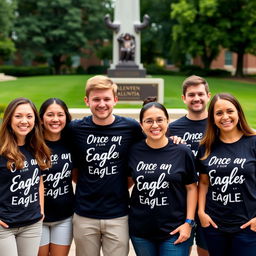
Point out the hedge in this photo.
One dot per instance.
(20, 71)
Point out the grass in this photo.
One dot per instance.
(71, 90)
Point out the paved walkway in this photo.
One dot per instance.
(132, 253)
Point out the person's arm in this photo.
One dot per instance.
(203, 185)
(184, 230)
(130, 182)
(74, 175)
(3, 224)
(41, 195)
(251, 223)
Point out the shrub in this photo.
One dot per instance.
(80, 70)
(20, 71)
(97, 70)
(153, 69)
(196, 70)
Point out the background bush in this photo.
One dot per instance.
(21, 71)
(196, 70)
(97, 69)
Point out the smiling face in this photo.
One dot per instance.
(196, 98)
(101, 103)
(54, 121)
(22, 122)
(225, 116)
(154, 124)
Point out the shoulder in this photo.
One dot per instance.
(127, 122)
(74, 123)
(249, 140)
(178, 122)
(78, 123)
(139, 144)
(178, 147)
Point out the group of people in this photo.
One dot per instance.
(105, 155)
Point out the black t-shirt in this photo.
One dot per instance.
(58, 190)
(158, 200)
(231, 197)
(101, 156)
(19, 192)
(191, 131)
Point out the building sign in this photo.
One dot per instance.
(136, 92)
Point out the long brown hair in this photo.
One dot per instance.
(212, 131)
(34, 140)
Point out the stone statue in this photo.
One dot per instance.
(126, 39)
(127, 47)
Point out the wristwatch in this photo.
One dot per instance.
(190, 222)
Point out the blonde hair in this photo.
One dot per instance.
(34, 140)
(100, 82)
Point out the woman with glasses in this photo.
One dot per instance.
(164, 196)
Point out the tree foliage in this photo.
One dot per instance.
(195, 31)
(7, 47)
(156, 40)
(238, 17)
(203, 26)
(54, 28)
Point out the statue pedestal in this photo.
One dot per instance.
(126, 69)
(135, 90)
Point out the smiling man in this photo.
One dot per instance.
(195, 94)
(101, 143)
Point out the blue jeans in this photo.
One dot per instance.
(146, 247)
(242, 243)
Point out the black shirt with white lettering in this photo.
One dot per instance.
(58, 190)
(231, 197)
(101, 156)
(189, 130)
(159, 196)
(19, 192)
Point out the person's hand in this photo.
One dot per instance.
(184, 230)
(3, 224)
(43, 216)
(206, 220)
(251, 223)
(178, 140)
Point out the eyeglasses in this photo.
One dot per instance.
(159, 121)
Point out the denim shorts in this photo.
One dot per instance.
(59, 232)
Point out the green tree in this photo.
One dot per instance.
(238, 18)
(7, 47)
(55, 28)
(195, 31)
(203, 26)
(156, 40)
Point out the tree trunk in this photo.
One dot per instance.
(208, 56)
(206, 62)
(240, 63)
(57, 63)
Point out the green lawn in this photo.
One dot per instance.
(71, 90)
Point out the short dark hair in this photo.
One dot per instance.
(194, 81)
